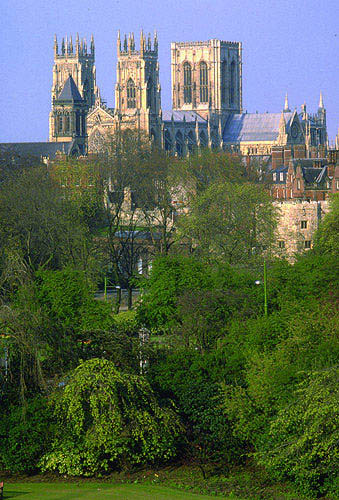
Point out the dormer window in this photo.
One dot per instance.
(281, 176)
(274, 177)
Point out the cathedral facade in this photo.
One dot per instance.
(206, 101)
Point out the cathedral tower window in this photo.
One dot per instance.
(149, 93)
(187, 83)
(67, 124)
(60, 124)
(232, 86)
(131, 94)
(224, 82)
(77, 123)
(203, 82)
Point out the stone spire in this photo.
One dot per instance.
(118, 43)
(321, 101)
(156, 41)
(142, 42)
(55, 45)
(286, 106)
(77, 45)
(92, 45)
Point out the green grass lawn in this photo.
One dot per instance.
(96, 491)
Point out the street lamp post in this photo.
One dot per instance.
(258, 282)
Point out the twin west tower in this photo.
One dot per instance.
(206, 101)
(206, 88)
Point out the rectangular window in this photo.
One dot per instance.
(274, 177)
(337, 185)
(307, 243)
(298, 183)
(281, 177)
(281, 244)
(304, 224)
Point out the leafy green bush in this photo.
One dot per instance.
(25, 434)
(192, 380)
(302, 441)
(109, 419)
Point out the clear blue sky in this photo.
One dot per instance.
(288, 46)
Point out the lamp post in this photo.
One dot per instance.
(258, 282)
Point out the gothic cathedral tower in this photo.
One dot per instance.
(74, 89)
(207, 77)
(137, 91)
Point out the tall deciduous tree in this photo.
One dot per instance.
(231, 222)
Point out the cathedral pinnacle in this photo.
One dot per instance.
(321, 101)
(119, 43)
(92, 45)
(286, 106)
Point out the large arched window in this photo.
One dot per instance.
(191, 141)
(149, 93)
(224, 82)
(203, 139)
(130, 94)
(203, 82)
(60, 124)
(168, 141)
(179, 143)
(187, 83)
(232, 83)
(67, 124)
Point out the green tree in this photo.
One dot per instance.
(231, 223)
(302, 441)
(326, 239)
(108, 419)
(39, 229)
(171, 276)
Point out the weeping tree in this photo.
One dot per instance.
(109, 419)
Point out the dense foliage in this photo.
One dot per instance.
(199, 371)
(108, 419)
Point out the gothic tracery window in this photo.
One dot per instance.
(224, 82)
(203, 82)
(130, 94)
(60, 124)
(149, 93)
(67, 123)
(232, 86)
(187, 83)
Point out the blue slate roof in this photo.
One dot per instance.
(70, 91)
(36, 149)
(253, 127)
(178, 116)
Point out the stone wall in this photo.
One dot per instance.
(299, 219)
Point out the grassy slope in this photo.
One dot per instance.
(95, 491)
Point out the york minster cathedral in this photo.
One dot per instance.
(207, 108)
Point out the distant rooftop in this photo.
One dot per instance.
(178, 116)
(248, 127)
(36, 149)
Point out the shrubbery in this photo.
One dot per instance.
(25, 433)
(107, 419)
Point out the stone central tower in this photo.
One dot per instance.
(137, 91)
(207, 77)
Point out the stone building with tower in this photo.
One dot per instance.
(207, 103)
